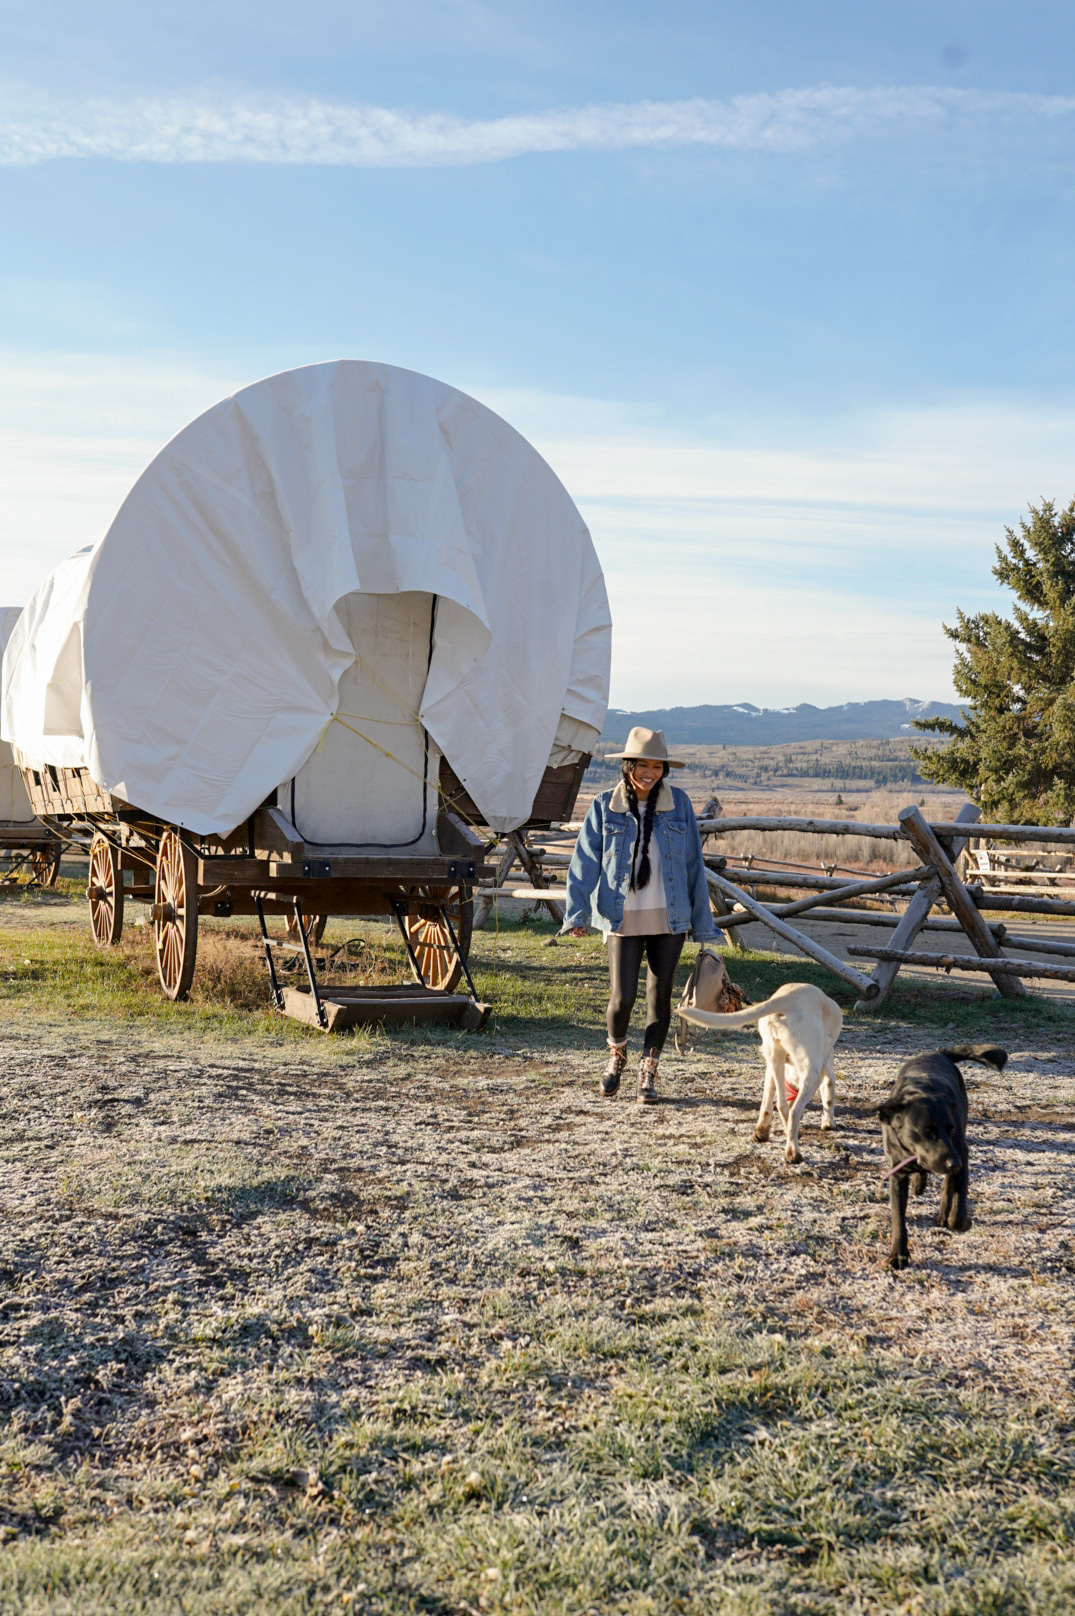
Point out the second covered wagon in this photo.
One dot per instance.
(344, 623)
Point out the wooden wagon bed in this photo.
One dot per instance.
(264, 868)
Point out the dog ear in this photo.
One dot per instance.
(887, 1110)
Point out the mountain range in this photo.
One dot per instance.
(746, 725)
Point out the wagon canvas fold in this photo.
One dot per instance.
(24, 840)
(344, 624)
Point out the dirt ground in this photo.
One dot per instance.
(229, 1270)
(512, 1153)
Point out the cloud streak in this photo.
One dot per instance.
(747, 547)
(288, 130)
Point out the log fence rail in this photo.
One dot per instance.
(946, 877)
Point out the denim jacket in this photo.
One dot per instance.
(600, 872)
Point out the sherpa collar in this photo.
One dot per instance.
(618, 803)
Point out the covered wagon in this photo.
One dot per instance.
(345, 624)
(25, 842)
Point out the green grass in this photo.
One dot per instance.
(633, 1459)
(276, 1371)
(537, 982)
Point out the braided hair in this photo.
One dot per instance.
(641, 871)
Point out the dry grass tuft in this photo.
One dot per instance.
(849, 852)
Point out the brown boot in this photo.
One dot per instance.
(617, 1061)
(647, 1080)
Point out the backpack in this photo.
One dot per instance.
(709, 987)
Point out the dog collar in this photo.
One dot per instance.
(912, 1161)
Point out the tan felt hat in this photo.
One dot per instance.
(649, 744)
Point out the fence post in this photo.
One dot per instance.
(931, 852)
(914, 917)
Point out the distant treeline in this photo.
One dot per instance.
(835, 769)
(882, 774)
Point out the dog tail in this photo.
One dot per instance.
(732, 1018)
(988, 1054)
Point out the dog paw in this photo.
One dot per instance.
(826, 1127)
(791, 1155)
(897, 1260)
(761, 1134)
(960, 1225)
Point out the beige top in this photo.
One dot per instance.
(645, 913)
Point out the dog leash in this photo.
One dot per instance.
(912, 1161)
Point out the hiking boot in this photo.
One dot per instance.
(617, 1061)
(647, 1080)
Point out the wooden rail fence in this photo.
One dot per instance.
(938, 877)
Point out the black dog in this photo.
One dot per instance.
(924, 1125)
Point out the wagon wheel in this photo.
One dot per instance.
(104, 889)
(45, 863)
(175, 915)
(312, 925)
(429, 938)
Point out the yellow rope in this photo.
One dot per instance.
(367, 718)
(383, 685)
(391, 756)
(433, 785)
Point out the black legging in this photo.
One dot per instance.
(624, 963)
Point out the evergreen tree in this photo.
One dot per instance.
(1015, 752)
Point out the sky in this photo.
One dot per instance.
(783, 291)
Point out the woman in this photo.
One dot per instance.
(637, 875)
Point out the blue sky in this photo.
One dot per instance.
(784, 291)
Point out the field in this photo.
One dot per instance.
(825, 768)
(866, 780)
(421, 1323)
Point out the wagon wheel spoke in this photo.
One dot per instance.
(175, 912)
(105, 893)
(313, 925)
(430, 938)
(45, 863)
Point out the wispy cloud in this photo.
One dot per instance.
(265, 129)
(886, 523)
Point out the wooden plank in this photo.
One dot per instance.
(931, 852)
(861, 917)
(431, 869)
(758, 876)
(867, 917)
(966, 962)
(486, 901)
(877, 917)
(983, 899)
(14, 834)
(805, 944)
(554, 799)
(354, 1007)
(228, 872)
(808, 827)
(1059, 834)
(914, 915)
(275, 836)
(533, 870)
(456, 839)
(1038, 945)
(848, 889)
(860, 889)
